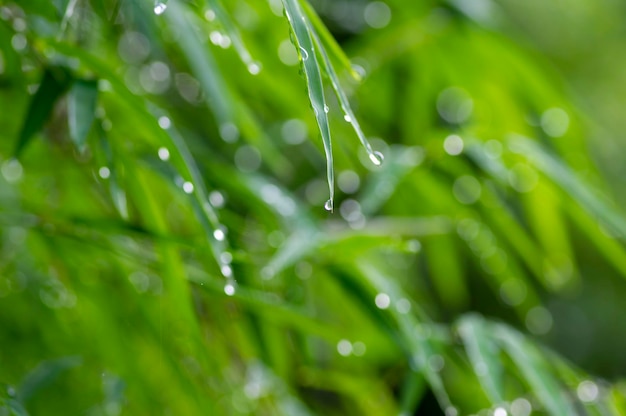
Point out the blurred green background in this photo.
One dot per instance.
(164, 242)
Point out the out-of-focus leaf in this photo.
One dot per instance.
(54, 83)
(570, 182)
(44, 375)
(534, 370)
(483, 354)
(253, 66)
(81, 109)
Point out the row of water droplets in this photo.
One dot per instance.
(220, 39)
(215, 200)
(375, 157)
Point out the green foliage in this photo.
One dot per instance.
(165, 247)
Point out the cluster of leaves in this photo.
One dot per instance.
(164, 242)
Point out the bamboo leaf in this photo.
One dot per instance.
(483, 354)
(81, 110)
(44, 375)
(313, 76)
(54, 82)
(535, 371)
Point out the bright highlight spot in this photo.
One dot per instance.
(188, 187)
(104, 172)
(344, 347)
(229, 289)
(382, 301)
(453, 145)
(219, 235)
(164, 154)
(587, 391)
(377, 14)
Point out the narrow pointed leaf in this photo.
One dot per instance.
(235, 37)
(535, 371)
(54, 83)
(483, 354)
(44, 375)
(313, 75)
(81, 110)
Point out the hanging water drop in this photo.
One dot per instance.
(304, 53)
(328, 206)
(326, 108)
(254, 68)
(347, 118)
(159, 8)
(377, 158)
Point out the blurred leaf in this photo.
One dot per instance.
(54, 82)
(44, 375)
(483, 354)
(535, 371)
(81, 109)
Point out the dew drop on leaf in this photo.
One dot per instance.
(159, 8)
(377, 158)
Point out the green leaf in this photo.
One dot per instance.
(81, 110)
(535, 371)
(560, 173)
(313, 75)
(483, 354)
(253, 66)
(54, 83)
(44, 375)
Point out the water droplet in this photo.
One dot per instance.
(225, 42)
(377, 14)
(500, 411)
(164, 154)
(347, 118)
(209, 15)
(254, 68)
(453, 145)
(226, 270)
(328, 206)
(377, 158)
(216, 198)
(382, 301)
(104, 172)
(344, 347)
(12, 170)
(188, 187)
(165, 122)
(521, 407)
(226, 257)
(159, 8)
(229, 289)
(326, 108)
(403, 306)
(215, 37)
(229, 132)
(219, 235)
(359, 348)
(304, 53)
